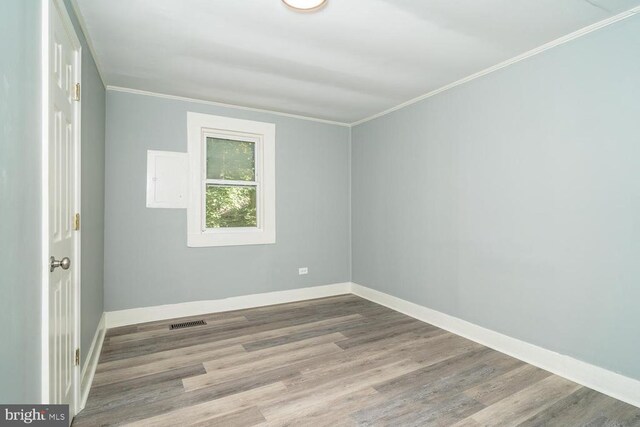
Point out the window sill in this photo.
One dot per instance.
(230, 238)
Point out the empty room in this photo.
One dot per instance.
(320, 213)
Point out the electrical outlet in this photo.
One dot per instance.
(303, 270)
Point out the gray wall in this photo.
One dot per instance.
(20, 258)
(92, 246)
(147, 261)
(513, 201)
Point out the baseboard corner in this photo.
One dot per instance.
(91, 361)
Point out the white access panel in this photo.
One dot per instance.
(167, 177)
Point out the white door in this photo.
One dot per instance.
(63, 153)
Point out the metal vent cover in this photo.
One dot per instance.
(187, 324)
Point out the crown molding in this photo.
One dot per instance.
(557, 42)
(550, 45)
(221, 104)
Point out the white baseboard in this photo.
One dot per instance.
(600, 379)
(91, 362)
(195, 308)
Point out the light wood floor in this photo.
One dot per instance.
(328, 362)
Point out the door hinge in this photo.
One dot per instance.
(76, 222)
(77, 360)
(76, 95)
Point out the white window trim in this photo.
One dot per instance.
(199, 126)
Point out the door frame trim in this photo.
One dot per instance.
(48, 7)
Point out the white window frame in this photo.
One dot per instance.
(199, 127)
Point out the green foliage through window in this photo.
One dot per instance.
(231, 160)
(231, 206)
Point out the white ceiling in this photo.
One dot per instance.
(350, 60)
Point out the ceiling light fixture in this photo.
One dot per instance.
(305, 5)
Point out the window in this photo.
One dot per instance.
(232, 181)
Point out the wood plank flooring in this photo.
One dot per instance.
(336, 361)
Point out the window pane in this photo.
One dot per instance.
(231, 206)
(228, 159)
